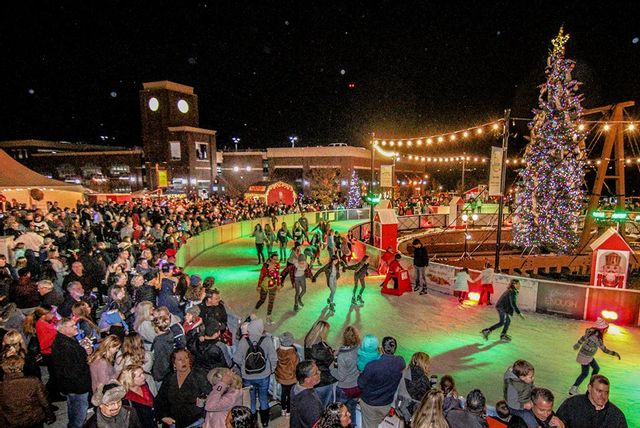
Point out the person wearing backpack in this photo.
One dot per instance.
(257, 359)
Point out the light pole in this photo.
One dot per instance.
(235, 140)
(465, 219)
(503, 173)
(293, 139)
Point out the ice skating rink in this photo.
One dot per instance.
(434, 324)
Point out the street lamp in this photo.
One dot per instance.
(372, 200)
(293, 139)
(235, 140)
(467, 236)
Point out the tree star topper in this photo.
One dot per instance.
(559, 41)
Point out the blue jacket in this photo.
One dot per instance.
(379, 380)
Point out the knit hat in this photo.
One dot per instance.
(601, 324)
(108, 393)
(286, 339)
(302, 258)
(195, 280)
(389, 345)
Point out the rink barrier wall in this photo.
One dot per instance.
(570, 300)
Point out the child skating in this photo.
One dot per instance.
(588, 344)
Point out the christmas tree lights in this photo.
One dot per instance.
(550, 189)
(354, 199)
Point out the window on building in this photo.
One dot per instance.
(119, 169)
(89, 171)
(175, 150)
(65, 170)
(202, 151)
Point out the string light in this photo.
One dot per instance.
(606, 127)
(632, 126)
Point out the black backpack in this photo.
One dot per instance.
(255, 360)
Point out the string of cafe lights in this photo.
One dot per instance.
(480, 159)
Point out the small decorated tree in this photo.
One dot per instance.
(354, 198)
(550, 189)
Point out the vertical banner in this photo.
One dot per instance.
(495, 171)
(386, 175)
(162, 178)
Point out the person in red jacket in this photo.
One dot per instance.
(41, 323)
(394, 271)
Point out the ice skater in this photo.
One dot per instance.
(283, 236)
(394, 271)
(588, 344)
(361, 271)
(507, 304)
(259, 237)
(332, 272)
(268, 283)
(300, 272)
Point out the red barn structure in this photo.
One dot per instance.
(272, 192)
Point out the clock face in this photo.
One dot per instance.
(183, 106)
(153, 104)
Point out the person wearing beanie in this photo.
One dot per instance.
(368, 351)
(268, 284)
(587, 347)
(379, 381)
(110, 411)
(285, 372)
(420, 263)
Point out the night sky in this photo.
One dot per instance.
(266, 70)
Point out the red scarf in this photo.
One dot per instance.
(146, 399)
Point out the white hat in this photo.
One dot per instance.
(601, 324)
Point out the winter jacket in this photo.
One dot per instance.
(463, 418)
(420, 257)
(179, 403)
(127, 417)
(345, 371)
(516, 392)
(71, 369)
(461, 281)
(11, 318)
(508, 302)
(256, 331)
(162, 348)
(288, 359)
(210, 355)
(213, 317)
(168, 299)
(24, 293)
(322, 354)
(144, 293)
(589, 344)
(143, 405)
(23, 401)
(221, 399)
(368, 352)
(327, 270)
(46, 333)
(306, 407)
(361, 269)
(577, 411)
(412, 387)
(52, 298)
(380, 379)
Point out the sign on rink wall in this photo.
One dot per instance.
(554, 298)
(441, 277)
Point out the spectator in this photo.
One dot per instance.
(11, 318)
(503, 417)
(368, 351)
(345, 370)
(285, 372)
(541, 412)
(472, 416)
(13, 344)
(77, 275)
(139, 395)
(143, 323)
(48, 294)
(211, 353)
(24, 292)
(142, 290)
(226, 394)
(81, 313)
(451, 397)
(429, 412)
(75, 293)
(213, 312)
(306, 406)
(592, 409)
(518, 384)
(378, 382)
(420, 264)
(256, 357)
(414, 385)
(317, 349)
(41, 323)
(162, 347)
(133, 352)
(180, 400)
(240, 417)
(72, 373)
(336, 415)
(23, 400)
(101, 361)
(109, 409)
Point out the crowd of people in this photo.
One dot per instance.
(94, 312)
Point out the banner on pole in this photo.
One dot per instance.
(495, 171)
(386, 175)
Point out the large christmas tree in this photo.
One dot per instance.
(550, 190)
(354, 199)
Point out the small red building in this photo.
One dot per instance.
(610, 260)
(272, 192)
(385, 229)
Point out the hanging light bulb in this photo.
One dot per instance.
(632, 126)
(606, 127)
(429, 141)
(479, 131)
(465, 134)
(384, 143)
(419, 142)
(400, 143)
(392, 143)
(409, 143)
(440, 139)
(453, 137)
